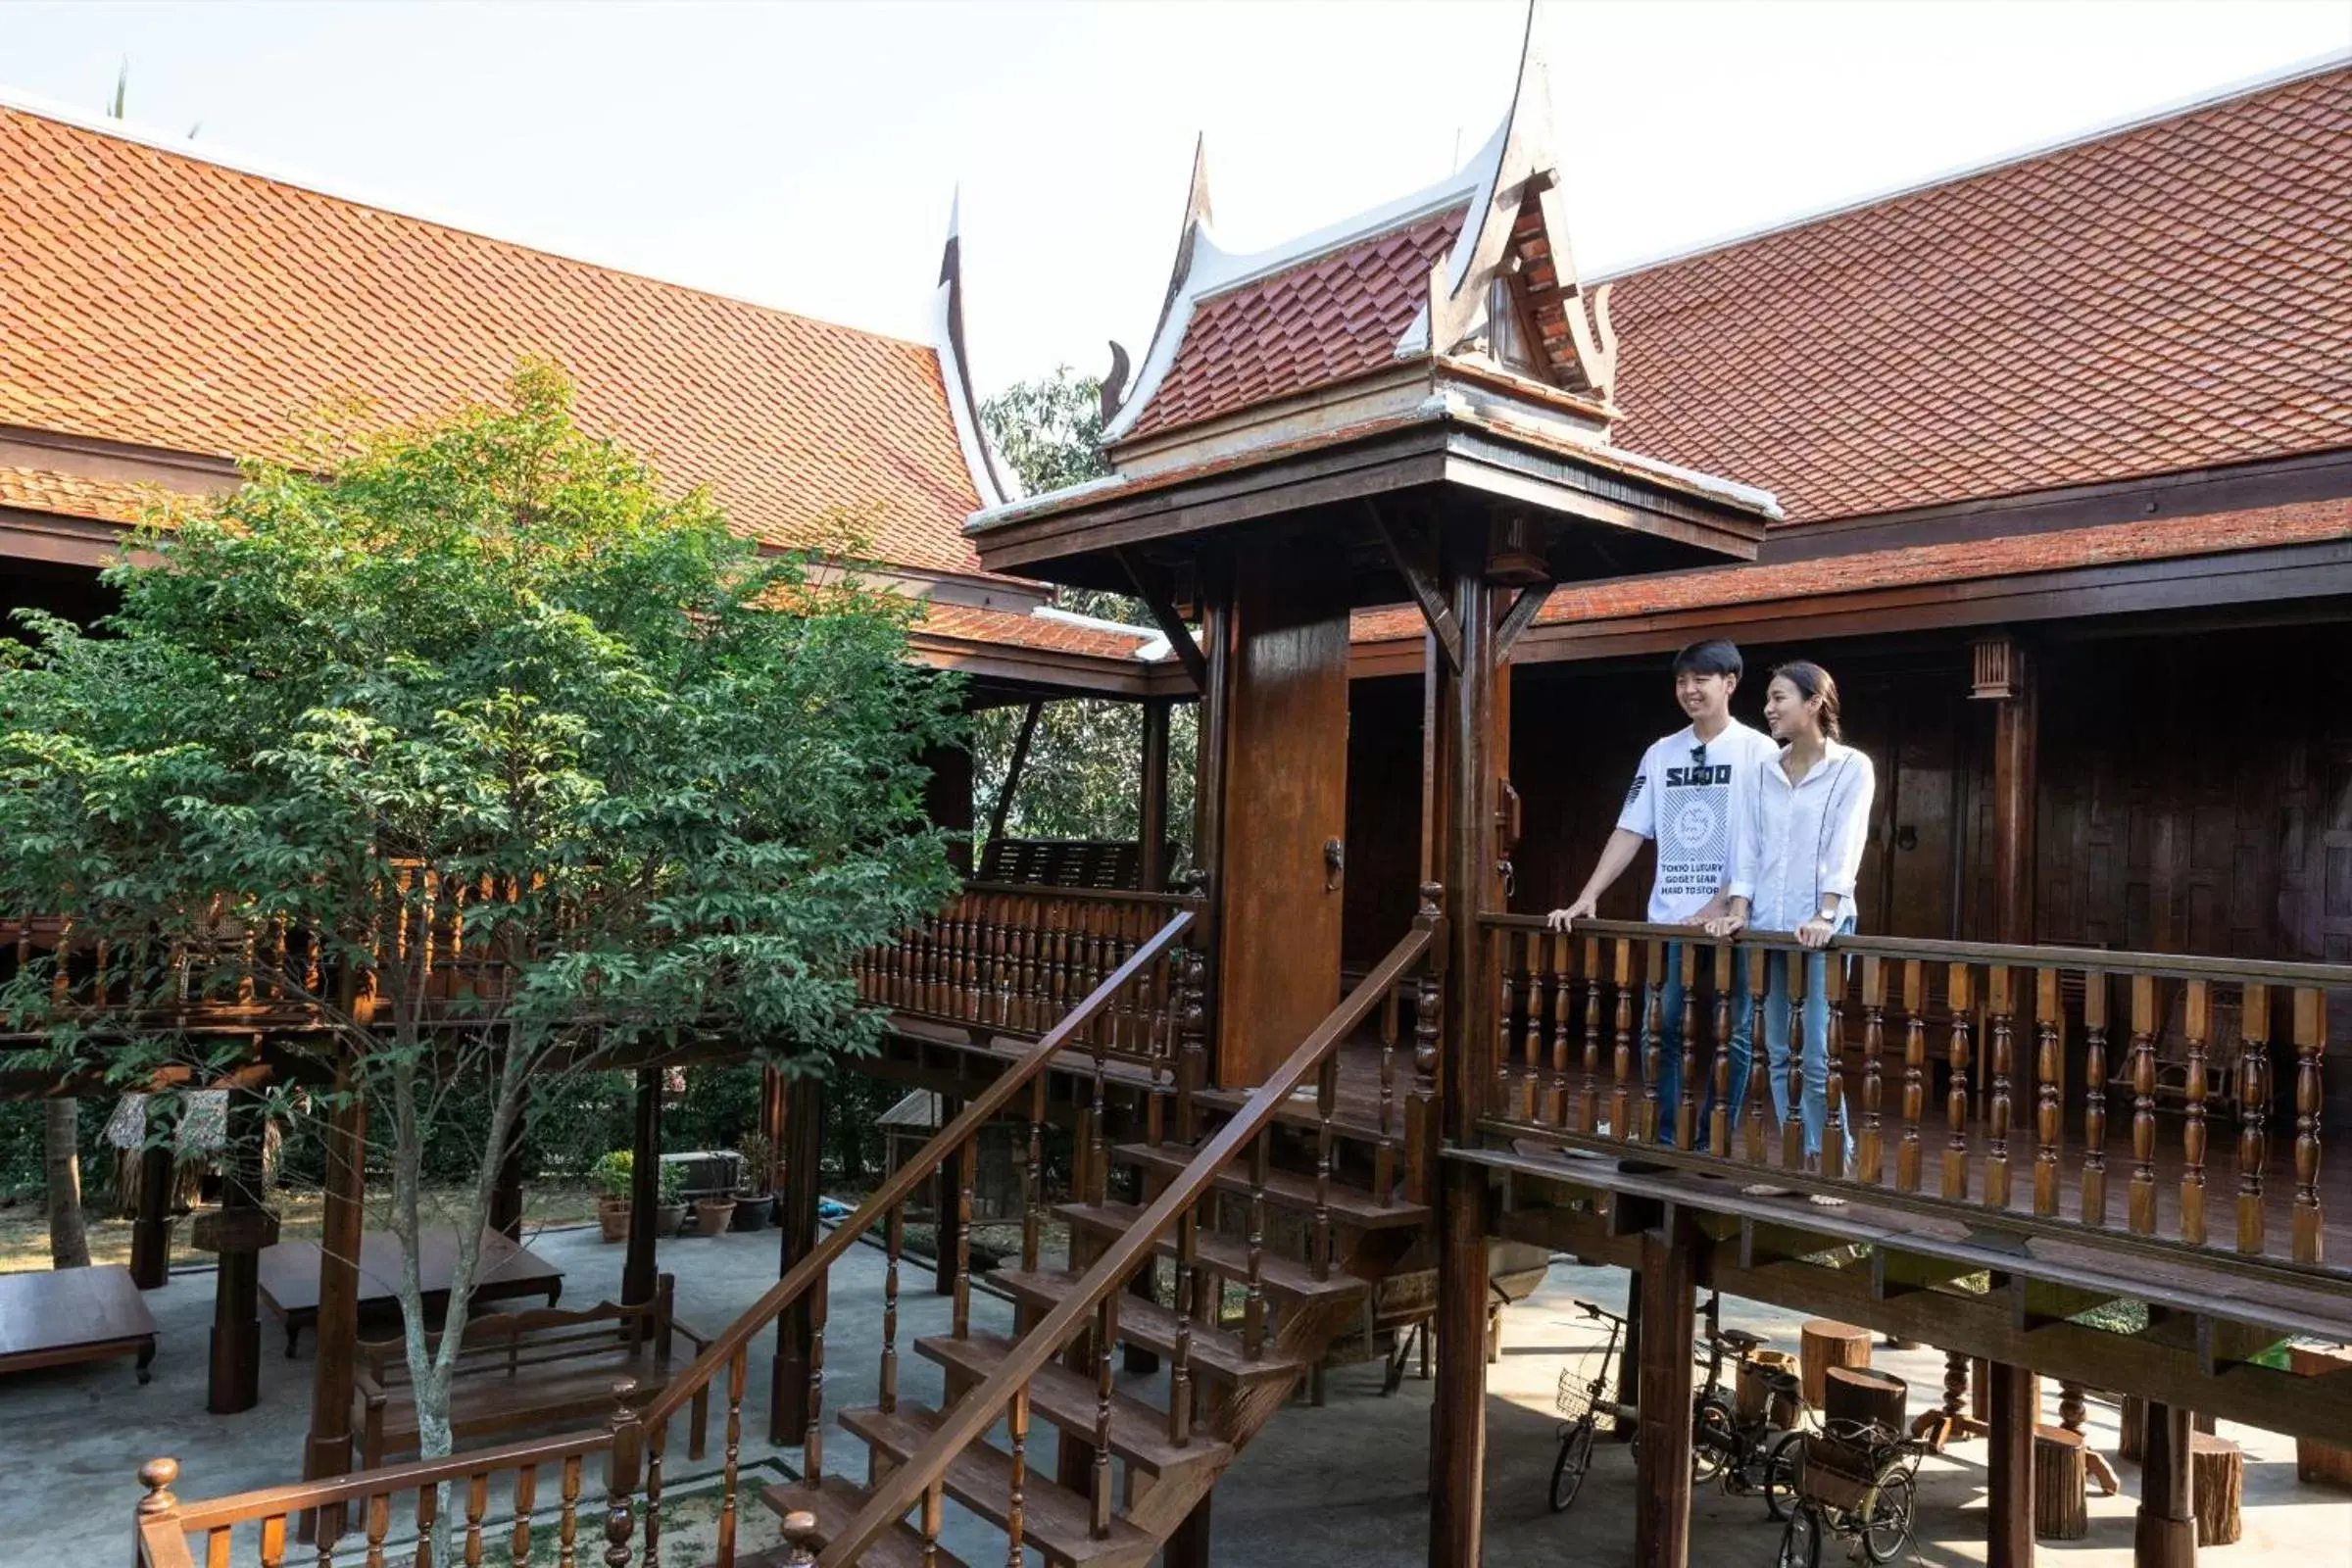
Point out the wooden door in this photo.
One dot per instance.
(1286, 798)
(1909, 722)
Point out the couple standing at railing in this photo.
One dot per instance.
(1752, 832)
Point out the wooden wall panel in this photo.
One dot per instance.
(1384, 814)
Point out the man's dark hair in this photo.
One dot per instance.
(1717, 656)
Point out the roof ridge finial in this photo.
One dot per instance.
(955, 365)
(1196, 210)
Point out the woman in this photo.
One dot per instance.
(1801, 838)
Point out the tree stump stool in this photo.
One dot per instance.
(1864, 1397)
(1755, 1399)
(2220, 1468)
(1822, 1345)
(2324, 1462)
(2061, 1510)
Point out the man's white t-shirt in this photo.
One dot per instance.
(1693, 802)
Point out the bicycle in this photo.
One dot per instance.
(1584, 1398)
(1745, 1458)
(1858, 1481)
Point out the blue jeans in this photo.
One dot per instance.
(1815, 1066)
(1670, 1045)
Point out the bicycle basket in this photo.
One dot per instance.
(1585, 1386)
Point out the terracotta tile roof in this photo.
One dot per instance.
(1011, 627)
(70, 495)
(2172, 296)
(1329, 318)
(161, 300)
(2108, 544)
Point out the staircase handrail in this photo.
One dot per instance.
(972, 1417)
(977, 1114)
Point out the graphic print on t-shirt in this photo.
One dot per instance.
(1686, 806)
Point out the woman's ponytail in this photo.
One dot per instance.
(1812, 681)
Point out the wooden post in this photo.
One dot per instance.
(796, 1210)
(2009, 1469)
(1670, 1281)
(1188, 1547)
(151, 1232)
(235, 1381)
(2164, 1531)
(328, 1452)
(1152, 808)
(2004, 674)
(639, 1273)
(947, 1214)
(1629, 1355)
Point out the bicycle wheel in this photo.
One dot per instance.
(1800, 1538)
(1781, 1473)
(1712, 1442)
(1568, 1470)
(1889, 1531)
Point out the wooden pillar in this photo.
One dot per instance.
(2004, 677)
(2009, 1469)
(1670, 1278)
(796, 1210)
(948, 800)
(947, 1212)
(505, 1196)
(1188, 1547)
(151, 1231)
(237, 1233)
(1628, 1357)
(2164, 1531)
(640, 1273)
(1151, 812)
(1458, 1438)
(342, 1221)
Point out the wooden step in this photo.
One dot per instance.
(1139, 1431)
(836, 1501)
(1350, 1206)
(1216, 1355)
(1286, 1278)
(1053, 1518)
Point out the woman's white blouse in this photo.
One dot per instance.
(1801, 842)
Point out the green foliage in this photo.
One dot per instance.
(1049, 429)
(615, 1171)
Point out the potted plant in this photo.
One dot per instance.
(754, 1202)
(669, 1215)
(713, 1213)
(615, 1173)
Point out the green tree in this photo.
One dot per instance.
(1083, 775)
(487, 679)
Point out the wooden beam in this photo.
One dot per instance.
(1163, 615)
(2036, 1304)
(1521, 615)
(1012, 772)
(2009, 1469)
(1671, 1259)
(1895, 1273)
(1424, 589)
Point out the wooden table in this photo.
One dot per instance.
(289, 1284)
(73, 1314)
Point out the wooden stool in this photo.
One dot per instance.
(1823, 1343)
(2323, 1462)
(2220, 1468)
(1857, 1395)
(2061, 1511)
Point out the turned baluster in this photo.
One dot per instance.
(975, 957)
(1530, 1076)
(1418, 1133)
(1588, 1111)
(1033, 1175)
(894, 1246)
(379, 1523)
(1384, 1157)
(738, 1366)
(1685, 1103)
(929, 1519)
(1563, 999)
(1179, 1359)
(621, 1458)
(1759, 1077)
(1719, 1129)
(155, 1475)
(1955, 1101)
(1106, 1333)
(1621, 1106)
(812, 1446)
(1017, 1429)
(1833, 1154)
(966, 1166)
(997, 979)
(429, 1513)
(1096, 1143)
(2192, 1127)
(1195, 1007)
(1872, 1152)
(2253, 1113)
(1327, 1100)
(2095, 1098)
(1253, 1306)
(1503, 1099)
(1653, 1063)
(518, 1540)
(2311, 1039)
(1999, 1044)
(2049, 1020)
(478, 1505)
(2142, 1198)
(1792, 1130)
(567, 1520)
(1057, 933)
(656, 1442)
(1026, 1004)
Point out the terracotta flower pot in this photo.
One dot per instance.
(713, 1215)
(669, 1219)
(613, 1218)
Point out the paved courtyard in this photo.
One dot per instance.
(1340, 1487)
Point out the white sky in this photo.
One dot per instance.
(804, 155)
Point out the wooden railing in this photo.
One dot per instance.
(493, 1491)
(1090, 1308)
(1955, 1064)
(1014, 959)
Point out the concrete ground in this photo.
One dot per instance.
(1339, 1486)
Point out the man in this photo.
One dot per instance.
(1691, 797)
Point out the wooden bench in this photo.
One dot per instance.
(524, 1372)
(59, 1317)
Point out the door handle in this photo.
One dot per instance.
(1335, 862)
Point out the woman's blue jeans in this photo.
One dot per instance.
(1815, 1066)
(1670, 1045)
